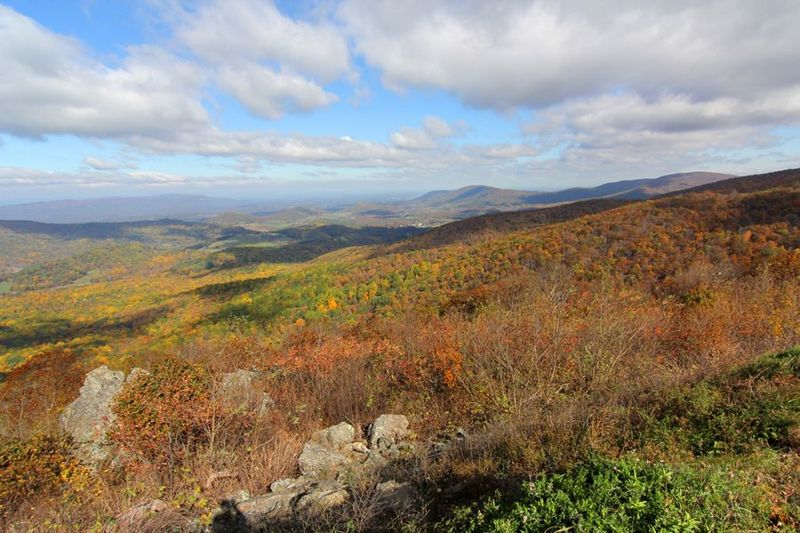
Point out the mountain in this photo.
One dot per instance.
(480, 199)
(630, 189)
(475, 227)
(773, 180)
(473, 196)
(117, 209)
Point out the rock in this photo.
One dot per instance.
(88, 419)
(358, 447)
(135, 374)
(131, 520)
(395, 496)
(387, 430)
(271, 505)
(300, 484)
(239, 496)
(237, 382)
(337, 436)
(318, 460)
(331, 461)
(326, 495)
(239, 391)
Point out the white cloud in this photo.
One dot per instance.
(270, 94)
(98, 163)
(437, 127)
(616, 86)
(268, 61)
(620, 131)
(433, 130)
(224, 30)
(49, 84)
(669, 114)
(613, 86)
(511, 53)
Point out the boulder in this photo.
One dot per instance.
(330, 462)
(324, 496)
(239, 381)
(387, 430)
(88, 419)
(271, 505)
(336, 437)
(357, 447)
(296, 485)
(239, 391)
(319, 461)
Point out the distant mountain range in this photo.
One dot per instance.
(118, 209)
(431, 209)
(630, 189)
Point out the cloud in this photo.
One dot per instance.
(101, 164)
(509, 54)
(615, 86)
(613, 132)
(89, 178)
(222, 30)
(436, 127)
(270, 94)
(268, 61)
(50, 84)
(433, 130)
(668, 114)
(609, 88)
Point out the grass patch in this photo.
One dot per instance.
(755, 406)
(621, 495)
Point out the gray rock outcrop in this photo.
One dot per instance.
(387, 431)
(327, 451)
(239, 391)
(331, 460)
(88, 419)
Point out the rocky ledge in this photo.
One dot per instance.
(332, 462)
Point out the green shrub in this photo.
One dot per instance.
(781, 364)
(621, 496)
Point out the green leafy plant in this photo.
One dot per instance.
(620, 496)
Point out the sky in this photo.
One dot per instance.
(263, 98)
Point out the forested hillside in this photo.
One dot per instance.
(603, 365)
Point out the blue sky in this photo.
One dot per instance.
(250, 98)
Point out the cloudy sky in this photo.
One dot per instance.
(259, 98)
